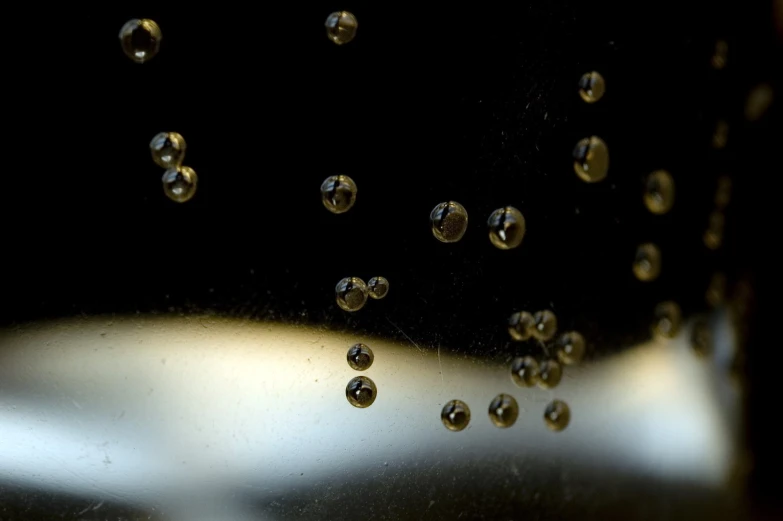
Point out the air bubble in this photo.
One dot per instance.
(180, 183)
(591, 86)
(524, 371)
(341, 27)
(140, 39)
(338, 193)
(591, 159)
(503, 411)
(570, 347)
(351, 293)
(378, 287)
(545, 325)
(168, 149)
(659, 192)
(647, 263)
(360, 357)
(449, 221)
(668, 318)
(506, 228)
(455, 415)
(521, 325)
(549, 374)
(557, 415)
(361, 392)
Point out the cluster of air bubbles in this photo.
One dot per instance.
(338, 193)
(591, 87)
(647, 262)
(523, 325)
(659, 192)
(360, 391)
(351, 293)
(140, 39)
(341, 27)
(168, 152)
(591, 159)
(503, 412)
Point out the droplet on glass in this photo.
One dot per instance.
(659, 192)
(341, 27)
(351, 293)
(360, 357)
(591, 159)
(180, 183)
(361, 392)
(378, 287)
(506, 228)
(557, 415)
(524, 371)
(668, 319)
(338, 193)
(545, 325)
(647, 263)
(720, 54)
(713, 236)
(140, 39)
(168, 149)
(503, 411)
(591, 86)
(549, 374)
(570, 347)
(449, 221)
(520, 325)
(701, 337)
(455, 415)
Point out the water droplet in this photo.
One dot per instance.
(503, 410)
(455, 415)
(341, 27)
(668, 319)
(723, 192)
(361, 392)
(545, 325)
(378, 287)
(591, 86)
(716, 291)
(549, 374)
(521, 325)
(506, 228)
(524, 371)
(360, 357)
(449, 221)
(338, 193)
(180, 183)
(659, 192)
(720, 54)
(591, 159)
(647, 263)
(713, 236)
(557, 415)
(721, 135)
(701, 337)
(168, 149)
(351, 293)
(140, 39)
(570, 347)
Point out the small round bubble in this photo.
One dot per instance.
(521, 325)
(378, 287)
(360, 357)
(168, 149)
(351, 293)
(507, 228)
(455, 415)
(549, 374)
(180, 183)
(140, 39)
(668, 318)
(591, 87)
(503, 411)
(545, 325)
(524, 371)
(570, 347)
(361, 392)
(591, 159)
(341, 27)
(659, 192)
(338, 193)
(557, 415)
(449, 221)
(647, 262)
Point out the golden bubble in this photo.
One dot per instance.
(341, 27)
(659, 192)
(455, 415)
(591, 86)
(647, 263)
(140, 39)
(591, 159)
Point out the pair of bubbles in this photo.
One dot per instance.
(168, 152)
(351, 293)
(361, 390)
(503, 412)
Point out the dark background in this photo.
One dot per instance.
(477, 105)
